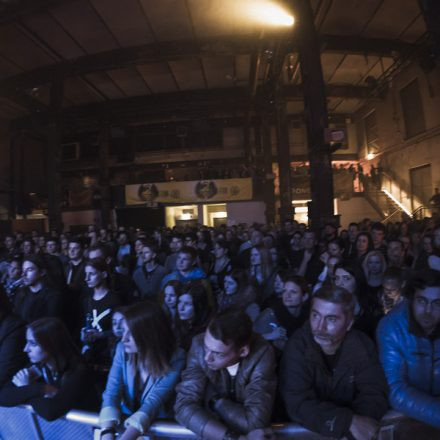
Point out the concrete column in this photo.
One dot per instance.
(104, 181)
(53, 156)
(268, 189)
(315, 107)
(286, 210)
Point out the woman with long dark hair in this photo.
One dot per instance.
(145, 370)
(193, 313)
(57, 381)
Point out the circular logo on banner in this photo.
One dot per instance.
(206, 189)
(148, 192)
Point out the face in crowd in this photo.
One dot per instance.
(74, 251)
(32, 275)
(219, 355)
(230, 285)
(184, 262)
(329, 323)
(170, 297)
(185, 307)
(293, 295)
(35, 352)
(426, 308)
(117, 324)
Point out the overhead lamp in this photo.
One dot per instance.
(267, 12)
(370, 156)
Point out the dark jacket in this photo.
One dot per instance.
(325, 401)
(12, 341)
(251, 406)
(31, 306)
(148, 283)
(76, 390)
(411, 362)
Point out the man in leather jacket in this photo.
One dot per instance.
(409, 348)
(228, 387)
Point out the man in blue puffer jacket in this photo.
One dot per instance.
(409, 348)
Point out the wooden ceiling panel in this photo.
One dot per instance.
(11, 110)
(242, 66)
(105, 85)
(76, 91)
(219, 71)
(330, 62)
(126, 20)
(169, 19)
(7, 68)
(353, 69)
(348, 17)
(129, 81)
(82, 22)
(54, 35)
(215, 17)
(392, 19)
(415, 31)
(158, 77)
(21, 50)
(188, 74)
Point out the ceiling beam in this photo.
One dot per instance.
(176, 50)
(17, 9)
(228, 102)
(380, 47)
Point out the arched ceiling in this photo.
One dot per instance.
(163, 54)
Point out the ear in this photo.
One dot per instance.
(104, 274)
(305, 297)
(244, 351)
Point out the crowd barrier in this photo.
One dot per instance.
(21, 423)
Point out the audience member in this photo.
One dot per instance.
(331, 379)
(233, 371)
(146, 368)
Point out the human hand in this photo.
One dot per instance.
(22, 378)
(277, 333)
(364, 428)
(88, 336)
(50, 390)
(259, 434)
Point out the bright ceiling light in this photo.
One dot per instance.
(370, 156)
(267, 12)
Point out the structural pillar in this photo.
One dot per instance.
(53, 156)
(286, 209)
(268, 177)
(315, 109)
(104, 180)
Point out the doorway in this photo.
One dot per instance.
(421, 186)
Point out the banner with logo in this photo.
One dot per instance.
(194, 191)
(342, 185)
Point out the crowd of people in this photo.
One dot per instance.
(228, 329)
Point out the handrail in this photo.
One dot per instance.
(170, 428)
(389, 217)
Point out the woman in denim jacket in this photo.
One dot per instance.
(145, 370)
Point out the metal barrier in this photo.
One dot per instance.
(21, 423)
